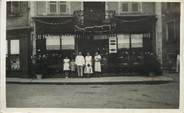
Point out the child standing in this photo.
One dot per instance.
(88, 66)
(72, 66)
(88, 70)
(66, 66)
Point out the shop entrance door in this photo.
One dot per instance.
(93, 44)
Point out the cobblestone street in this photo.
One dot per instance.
(94, 96)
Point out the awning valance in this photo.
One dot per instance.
(134, 24)
(62, 25)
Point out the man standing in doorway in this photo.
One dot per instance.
(80, 62)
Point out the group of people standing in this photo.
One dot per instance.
(83, 65)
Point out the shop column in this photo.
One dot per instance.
(158, 12)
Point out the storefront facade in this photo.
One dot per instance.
(123, 33)
(18, 39)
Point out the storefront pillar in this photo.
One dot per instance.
(159, 32)
(34, 40)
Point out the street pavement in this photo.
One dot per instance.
(94, 96)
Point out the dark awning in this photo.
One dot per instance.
(55, 25)
(134, 24)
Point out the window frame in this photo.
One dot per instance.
(130, 7)
(58, 11)
(14, 11)
(167, 30)
(11, 56)
(49, 6)
(59, 7)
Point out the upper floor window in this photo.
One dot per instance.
(59, 7)
(14, 8)
(130, 7)
(53, 7)
(62, 7)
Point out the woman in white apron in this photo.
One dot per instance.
(97, 59)
(88, 64)
(66, 66)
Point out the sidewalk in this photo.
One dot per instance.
(95, 80)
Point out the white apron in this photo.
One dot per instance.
(97, 63)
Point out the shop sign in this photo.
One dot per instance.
(113, 44)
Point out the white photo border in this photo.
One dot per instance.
(4, 109)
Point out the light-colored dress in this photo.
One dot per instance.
(66, 65)
(98, 63)
(88, 65)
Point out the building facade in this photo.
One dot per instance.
(171, 34)
(128, 35)
(123, 33)
(18, 38)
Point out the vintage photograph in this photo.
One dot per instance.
(89, 54)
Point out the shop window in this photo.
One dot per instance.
(130, 7)
(14, 55)
(59, 7)
(123, 41)
(68, 42)
(53, 43)
(65, 42)
(14, 47)
(14, 8)
(136, 40)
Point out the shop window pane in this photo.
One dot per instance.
(135, 7)
(123, 41)
(68, 42)
(14, 47)
(15, 63)
(137, 40)
(53, 43)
